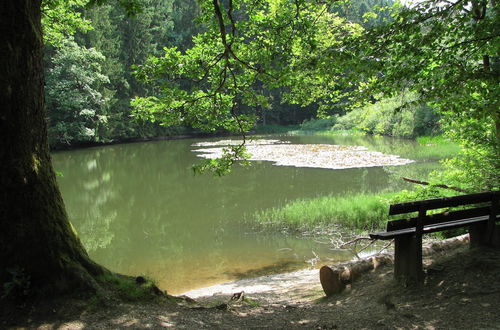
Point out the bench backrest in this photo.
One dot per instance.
(492, 198)
(438, 203)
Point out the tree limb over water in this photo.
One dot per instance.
(425, 183)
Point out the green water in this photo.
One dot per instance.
(139, 209)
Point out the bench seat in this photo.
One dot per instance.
(432, 228)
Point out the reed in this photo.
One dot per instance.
(363, 212)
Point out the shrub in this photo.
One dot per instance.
(318, 124)
(400, 116)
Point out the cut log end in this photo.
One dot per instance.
(330, 281)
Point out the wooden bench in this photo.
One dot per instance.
(480, 214)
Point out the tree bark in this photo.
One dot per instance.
(36, 238)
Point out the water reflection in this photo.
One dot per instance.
(139, 210)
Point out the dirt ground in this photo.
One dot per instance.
(461, 291)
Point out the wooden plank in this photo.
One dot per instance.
(438, 218)
(437, 203)
(455, 224)
(431, 228)
(478, 234)
(392, 234)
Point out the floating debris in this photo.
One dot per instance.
(282, 153)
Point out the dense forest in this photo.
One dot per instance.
(374, 66)
(90, 80)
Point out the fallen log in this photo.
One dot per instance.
(334, 280)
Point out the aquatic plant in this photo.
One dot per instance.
(355, 212)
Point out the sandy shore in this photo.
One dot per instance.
(276, 288)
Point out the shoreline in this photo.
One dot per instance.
(461, 291)
(302, 283)
(269, 287)
(194, 135)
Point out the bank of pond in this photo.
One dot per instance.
(139, 209)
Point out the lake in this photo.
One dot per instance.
(140, 210)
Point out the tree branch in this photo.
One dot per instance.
(227, 46)
(435, 185)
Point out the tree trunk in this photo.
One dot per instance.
(36, 238)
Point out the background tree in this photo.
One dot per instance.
(125, 41)
(62, 18)
(76, 95)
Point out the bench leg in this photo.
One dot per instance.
(494, 236)
(478, 235)
(408, 259)
(481, 235)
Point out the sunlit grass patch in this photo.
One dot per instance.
(363, 212)
(436, 147)
(318, 124)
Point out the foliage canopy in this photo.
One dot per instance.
(447, 53)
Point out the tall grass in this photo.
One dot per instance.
(436, 147)
(362, 212)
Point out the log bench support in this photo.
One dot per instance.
(407, 233)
